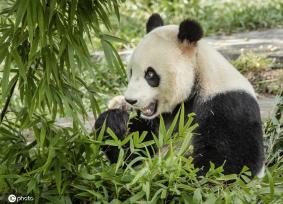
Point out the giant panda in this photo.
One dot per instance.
(173, 65)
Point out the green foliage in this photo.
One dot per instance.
(61, 166)
(261, 72)
(274, 134)
(46, 72)
(44, 59)
(249, 61)
(45, 56)
(110, 83)
(217, 16)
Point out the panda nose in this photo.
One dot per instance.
(131, 101)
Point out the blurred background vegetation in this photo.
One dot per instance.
(216, 17)
(48, 71)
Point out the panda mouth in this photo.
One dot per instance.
(149, 110)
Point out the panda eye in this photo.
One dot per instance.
(149, 74)
(131, 72)
(152, 77)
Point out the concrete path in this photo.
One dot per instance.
(268, 43)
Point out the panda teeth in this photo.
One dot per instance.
(148, 110)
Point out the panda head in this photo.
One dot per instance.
(161, 71)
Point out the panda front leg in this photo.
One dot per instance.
(117, 119)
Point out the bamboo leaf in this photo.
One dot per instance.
(3, 52)
(182, 119)
(31, 185)
(21, 11)
(120, 160)
(41, 25)
(116, 9)
(112, 38)
(51, 10)
(20, 64)
(58, 177)
(51, 155)
(42, 136)
(30, 22)
(5, 79)
(73, 11)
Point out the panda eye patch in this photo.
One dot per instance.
(152, 77)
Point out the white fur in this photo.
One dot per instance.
(216, 74)
(118, 102)
(160, 50)
(177, 64)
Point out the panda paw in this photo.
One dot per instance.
(118, 102)
(116, 120)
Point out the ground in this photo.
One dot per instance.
(268, 42)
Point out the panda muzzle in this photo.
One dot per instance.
(150, 109)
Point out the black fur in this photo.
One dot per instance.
(190, 30)
(118, 121)
(152, 78)
(154, 21)
(229, 131)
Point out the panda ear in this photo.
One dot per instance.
(154, 21)
(190, 30)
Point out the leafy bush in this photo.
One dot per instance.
(274, 134)
(261, 72)
(249, 61)
(46, 58)
(61, 166)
